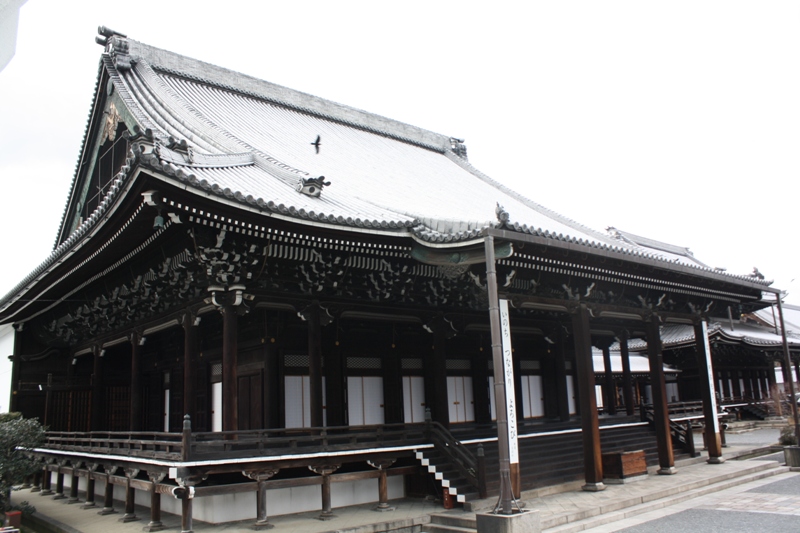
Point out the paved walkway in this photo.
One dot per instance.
(553, 508)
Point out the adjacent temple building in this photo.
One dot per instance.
(262, 302)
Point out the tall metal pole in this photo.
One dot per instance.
(788, 360)
(499, 382)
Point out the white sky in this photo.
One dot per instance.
(675, 120)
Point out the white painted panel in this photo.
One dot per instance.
(216, 406)
(355, 400)
(537, 396)
(492, 408)
(571, 395)
(166, 410)
(373, 400)
(413, 399)
(598, 392)
(526, 396)
(297, 401)
(672, 392)
(741, 386)
(460, 399)
(469, 400)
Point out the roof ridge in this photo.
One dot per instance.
(197, 70)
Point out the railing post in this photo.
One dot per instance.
(690, 439)
(481, 473)
(186, 439)
(722, 428)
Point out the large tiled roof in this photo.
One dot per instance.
(677, 335)
(383, 173)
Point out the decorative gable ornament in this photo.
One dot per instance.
(312, 186)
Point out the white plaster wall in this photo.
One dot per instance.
(242, 506)
(6, 349)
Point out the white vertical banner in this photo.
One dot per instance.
(710, 376)
(508, 371)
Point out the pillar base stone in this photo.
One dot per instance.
(667, 471)
(521, 522)
(594, 487)
(715, 460)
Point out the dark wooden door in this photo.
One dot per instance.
(251, 401)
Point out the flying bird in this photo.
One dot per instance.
(316, 144)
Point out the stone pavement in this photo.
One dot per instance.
(572, 510)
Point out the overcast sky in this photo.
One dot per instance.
(675, 120)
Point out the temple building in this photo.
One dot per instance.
(264, 302)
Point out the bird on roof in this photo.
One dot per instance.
(316, 144)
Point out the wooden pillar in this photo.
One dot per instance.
(96, 423)
(47, 482)
(73, 487)
(748, 391)
(737, 384)
(436, 386)
(108, 499)
(706, 373)
(261, 477)
(392, 387)
(60, 481)
(16, 368)
(609, 387)
(334, 385)
(90, 470)
(190, 321)
(230, 385)
(155, 523)
(130, 496)
(561, 378)
(312, 316)
(627, 377)
(666, 459)
(480, 387)
(185, 493)
(383, 485)
(592, 452)
(136, 382)
(325, 471)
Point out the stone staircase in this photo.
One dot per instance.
(611, 510)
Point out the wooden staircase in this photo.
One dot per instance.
(550, 456)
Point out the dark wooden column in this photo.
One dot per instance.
(747, 378)
(325, 471)
(436, 374)
(383, 486)
(312, 316)
(155, 523)
(627, 377)
(108, 499)
(130, 496)
(706, 373)
(97, 390)
(334, 384)
(75, 479)
(47, 481)
(261, 477)
(230, 378)
(737, 384)
(16, 368)
(518, 394)
(561, 375)
(480, 388)
(392, 388)
(666, 460)
(609, 388)
(592, 452)
(136, 382)
(190, 322)
(90, 492)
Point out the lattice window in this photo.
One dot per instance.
(297, 361)
(411, 364)
(216, 372)
(458, 364)
(364, 362)
(529, 365)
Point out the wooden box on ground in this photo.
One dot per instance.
(620, 467)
